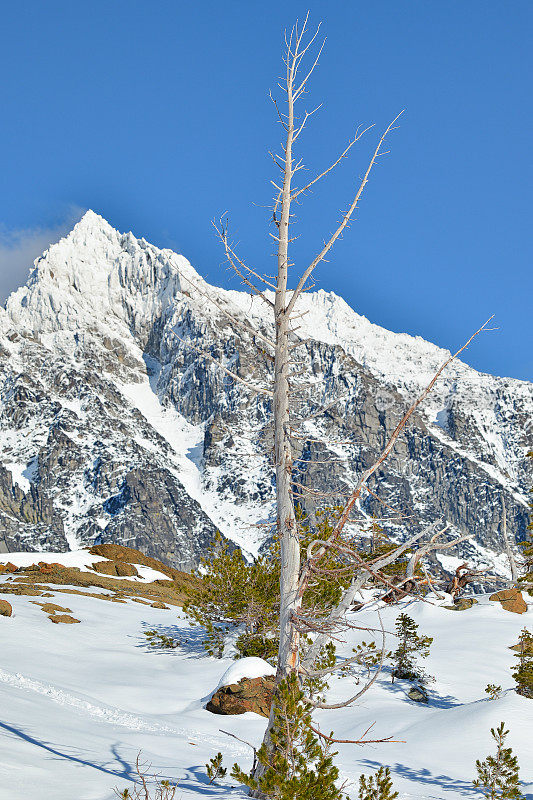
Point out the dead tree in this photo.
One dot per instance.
(282, 304)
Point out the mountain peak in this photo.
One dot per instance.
(91, 220)
(91, 226)
(96, 276)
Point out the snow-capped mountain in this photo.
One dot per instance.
(117, 424)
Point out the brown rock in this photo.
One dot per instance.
(125, 570)
(9, 567)
(462, 604)
(511, 600)
(117, 568)
(63, 618)
(118, 552)
(29, 580)
(158, 604)
(5, 608)
(249, 694)
(51, 608)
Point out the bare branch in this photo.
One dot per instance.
(234, 259)
(346, 218)
(362, 740)
(401, 425)
(340, 158)
(369, 683)
(221, 308)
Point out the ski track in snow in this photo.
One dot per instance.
(105, 713)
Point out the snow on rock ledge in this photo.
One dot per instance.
(251, 667)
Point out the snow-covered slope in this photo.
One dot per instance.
(80, 701)
(115, 425)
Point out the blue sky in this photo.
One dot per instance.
(157, 116)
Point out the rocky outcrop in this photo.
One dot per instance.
(118, 568)
(28, 519)
(418, 694)
(153, 511)
(249, 694)
(462, 604)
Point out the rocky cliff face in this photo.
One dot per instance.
(116, 426)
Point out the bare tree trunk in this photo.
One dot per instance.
(286, 518)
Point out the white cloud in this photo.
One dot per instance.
(19, 249)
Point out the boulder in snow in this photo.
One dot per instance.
(5, 609)
(511, 600)
(249, 694)
(248, 685)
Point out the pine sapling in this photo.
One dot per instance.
(377, 787)
(158, 639)
(410, 646)
(494, 692)
(215, 770)
(498, 775)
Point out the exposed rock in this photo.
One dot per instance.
(130, 555)
(462, 604)
(30, 580)
(28, 518)
(418, 694)
(64, 619)
(119, 568)
(511, 600)
(249, 694)
(153, 510)
(158, 604)
(9, 567)
(52, 608)
(6, 609)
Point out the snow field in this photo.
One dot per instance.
(80, 701)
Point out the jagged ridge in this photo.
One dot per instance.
(120, 430)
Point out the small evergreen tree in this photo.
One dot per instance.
(232, 593)
(377, 787)
(410, 647)
(523, 671)
(158, 639)
(215, 769)
(300, 765)
(498, 775)
(367, 655)
(494, 691)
